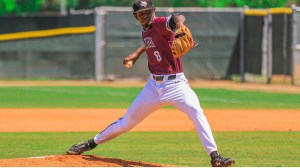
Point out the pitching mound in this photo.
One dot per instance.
(74, 161)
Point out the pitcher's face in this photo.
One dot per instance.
(145, 17)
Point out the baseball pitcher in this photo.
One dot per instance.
(166, 40)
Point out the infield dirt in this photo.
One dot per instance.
(63, 120)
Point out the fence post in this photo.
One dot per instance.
(294, 45)
(99, 43)
(284, 47)
(242, 46)
(264, 48)
(269, 48)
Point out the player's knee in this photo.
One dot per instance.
(194, 113)
(125, 125)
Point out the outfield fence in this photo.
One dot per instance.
(234, 43)
(60, 47)
(118, 34)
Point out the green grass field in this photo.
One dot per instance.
(250, 149)
(114, 97)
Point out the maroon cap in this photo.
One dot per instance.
(141, 5)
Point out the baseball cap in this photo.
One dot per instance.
(142, 5)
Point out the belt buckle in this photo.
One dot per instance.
(158, 78)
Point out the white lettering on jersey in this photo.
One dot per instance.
(148, 42)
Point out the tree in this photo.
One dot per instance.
(7, 6)
(21, 7)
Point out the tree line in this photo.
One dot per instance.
(32, 7)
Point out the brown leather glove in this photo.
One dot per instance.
(183, 42)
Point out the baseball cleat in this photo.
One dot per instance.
(79, 148)
(219, 161)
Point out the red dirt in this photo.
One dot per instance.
(66, 120)
(74, 161)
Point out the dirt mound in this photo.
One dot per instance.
(74, 161)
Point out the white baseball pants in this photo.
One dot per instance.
(156, 94)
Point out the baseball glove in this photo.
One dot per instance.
(183, 42)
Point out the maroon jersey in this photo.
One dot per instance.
(158, 41)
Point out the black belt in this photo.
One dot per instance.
(161, 78)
